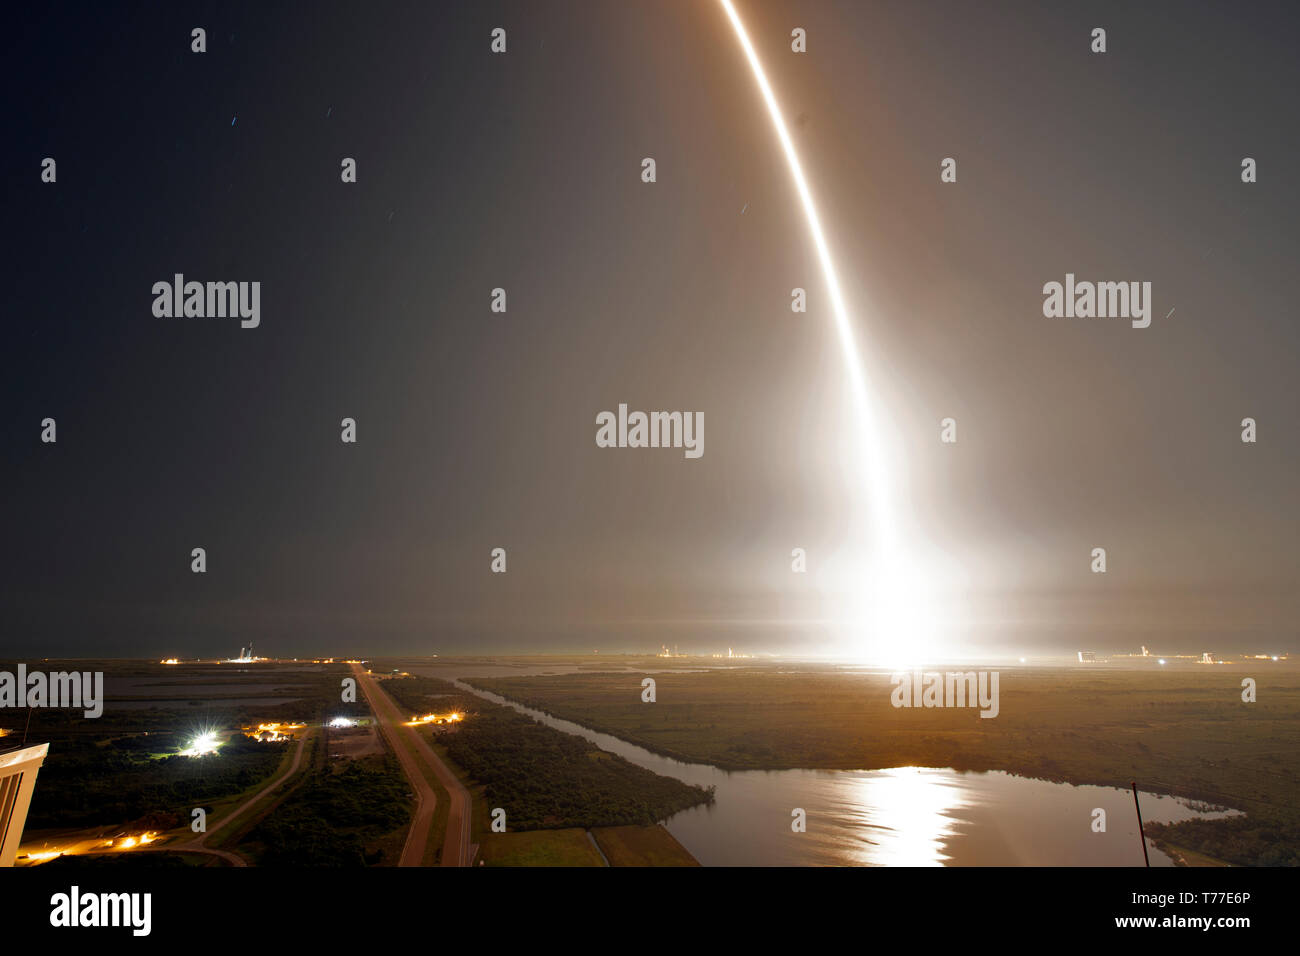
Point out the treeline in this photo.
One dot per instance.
(1259, 839)
(84, 783)
(331, 818)
(425, 695)
(545, 778)
(542, 777)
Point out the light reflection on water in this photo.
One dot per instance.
(905, 816)
(897, 817)
(911, 816)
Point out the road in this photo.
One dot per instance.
(456, 847)
(199, 843)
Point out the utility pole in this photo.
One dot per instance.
(1141, 832)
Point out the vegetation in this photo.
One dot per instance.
(334, 815)
(125, 766)
(542, 777)
(642, 846)
(88, 783)
(1181, 730)
(423, 695)
(541, 848)
(1262, 838)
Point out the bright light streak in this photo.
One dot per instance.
(890, 591)
(881, 513)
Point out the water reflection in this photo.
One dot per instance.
(906, 816)
(898, 817)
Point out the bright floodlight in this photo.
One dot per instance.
(342, 722)
(204, 743)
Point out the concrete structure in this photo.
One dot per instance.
(17, 781)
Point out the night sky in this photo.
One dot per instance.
(522, 170)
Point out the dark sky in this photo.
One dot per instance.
(476, 430)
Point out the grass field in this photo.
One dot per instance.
(642, 846)
(569, 847)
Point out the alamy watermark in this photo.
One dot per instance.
(84, 689)
(1100, 300)
(953, 689)
(210, 300)
(651, 430)
(76, 909)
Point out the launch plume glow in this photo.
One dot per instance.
(891, 595)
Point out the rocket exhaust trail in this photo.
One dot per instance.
(880, 509)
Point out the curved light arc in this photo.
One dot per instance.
(872, 448)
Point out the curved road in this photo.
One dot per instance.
(456, 848)
(199, 843)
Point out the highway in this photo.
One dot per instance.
(456, 848)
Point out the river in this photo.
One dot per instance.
(906, 816)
